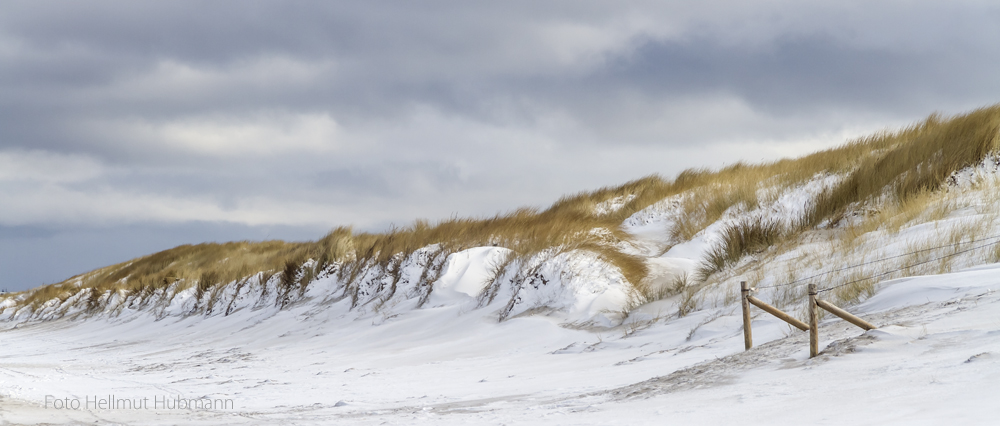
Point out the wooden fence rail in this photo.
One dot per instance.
(813, 327)
(776, 312)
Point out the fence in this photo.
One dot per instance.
(815, 303)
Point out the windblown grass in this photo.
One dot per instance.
(567, 224)
(740, 239)
(892, 178)
(912, 161)
(205, 266)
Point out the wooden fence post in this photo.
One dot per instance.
(813, 322)
(747, 333)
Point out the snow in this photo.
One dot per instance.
(935, 358)
(465, 274)
(986, 171)
(575, 286)
(613, 205)
(941, 289)
(666, 210)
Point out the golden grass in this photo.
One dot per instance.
(205, 266)
(993, 255)
(568, 224)
(891, 179)
(676, 285)
(689, 301)
(739, 239)
(911, 161)
(707, 205)
(901, 212)
(856, 285)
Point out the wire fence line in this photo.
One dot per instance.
(803, 281)
(910, 266)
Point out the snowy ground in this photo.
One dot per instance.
(935, 359)
(559, 356)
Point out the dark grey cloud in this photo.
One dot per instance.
(811, 72)
(174, 119)
(378, 62)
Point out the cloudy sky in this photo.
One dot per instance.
(130, 127)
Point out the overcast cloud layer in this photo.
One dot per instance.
(130, 127)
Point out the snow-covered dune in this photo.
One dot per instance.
(935, 358)
(553, 338)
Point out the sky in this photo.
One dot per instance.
(129, 127)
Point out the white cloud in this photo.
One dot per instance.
(174, 80)
(256, 134)
(57, 204)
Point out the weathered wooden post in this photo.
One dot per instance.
(813, 322)
(747, 333)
